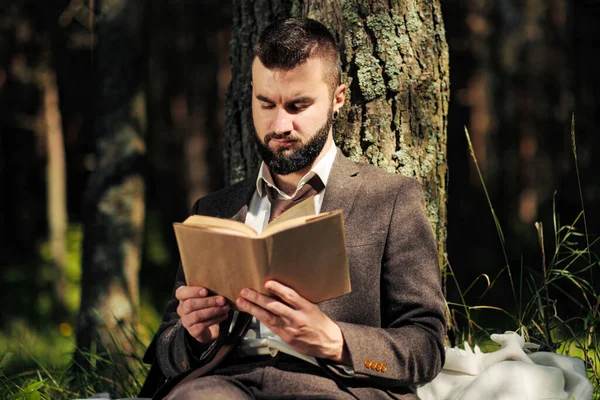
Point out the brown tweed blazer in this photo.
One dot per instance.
(395, 313)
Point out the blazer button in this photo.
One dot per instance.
(368, 363)
(378, 366)
(383, 367)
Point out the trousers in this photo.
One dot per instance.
(280, 377)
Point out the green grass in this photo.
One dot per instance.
(38, 365)
(38, 341)
(21, 346)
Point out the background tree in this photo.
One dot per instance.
(31, 136)
(188, 49)
(395, 62)
(113, 201)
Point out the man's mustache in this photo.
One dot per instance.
(286, 136)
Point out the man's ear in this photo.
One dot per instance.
(338, 97)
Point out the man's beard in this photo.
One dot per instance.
(297, 159)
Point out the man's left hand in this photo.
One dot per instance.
(297, 321)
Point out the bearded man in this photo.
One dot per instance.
(380, 341)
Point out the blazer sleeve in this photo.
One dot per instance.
(413, 326)
(176, 350)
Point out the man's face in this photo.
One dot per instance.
(292, 112)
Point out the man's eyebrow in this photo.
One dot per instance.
(303, 99)
(264, 98)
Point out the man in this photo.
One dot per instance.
(381, 340)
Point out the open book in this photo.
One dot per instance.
(306, 253)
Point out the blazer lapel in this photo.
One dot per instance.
(240, 216)
(342, 186)
(237, 206)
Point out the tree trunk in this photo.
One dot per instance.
(395, 63)
(56, 182)
(249, 18)
(113, 205)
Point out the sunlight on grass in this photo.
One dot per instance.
(575, 349)
(38, 363)
(21, 346)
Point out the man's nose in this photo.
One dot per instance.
(283, 122)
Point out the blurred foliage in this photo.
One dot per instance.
(22, 346)
(37, 363)
(73, 266)
(37, 339)
(36, 279)
(117, 373)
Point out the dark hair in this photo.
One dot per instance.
(287, 43)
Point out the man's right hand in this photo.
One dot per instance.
(200, 314)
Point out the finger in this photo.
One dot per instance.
(275, 306)
(199, 330)
(287, 295)
(203, 315)
(261, 314)
(188, 292)
(193, 304)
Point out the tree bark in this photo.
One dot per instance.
(395, 63)
(113, 204)
(249, 18)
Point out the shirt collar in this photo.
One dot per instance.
(322, 168)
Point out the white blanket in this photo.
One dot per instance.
(508, 373)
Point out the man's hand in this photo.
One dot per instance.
(200, 314)
(300, 323)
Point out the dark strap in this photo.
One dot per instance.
(229, 343)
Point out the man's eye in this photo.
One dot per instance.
(267, 106)
(299, 107)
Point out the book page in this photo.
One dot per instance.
(311, 258)
(227, 226)
(224, 264)
(290, 223)
(225, 231)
